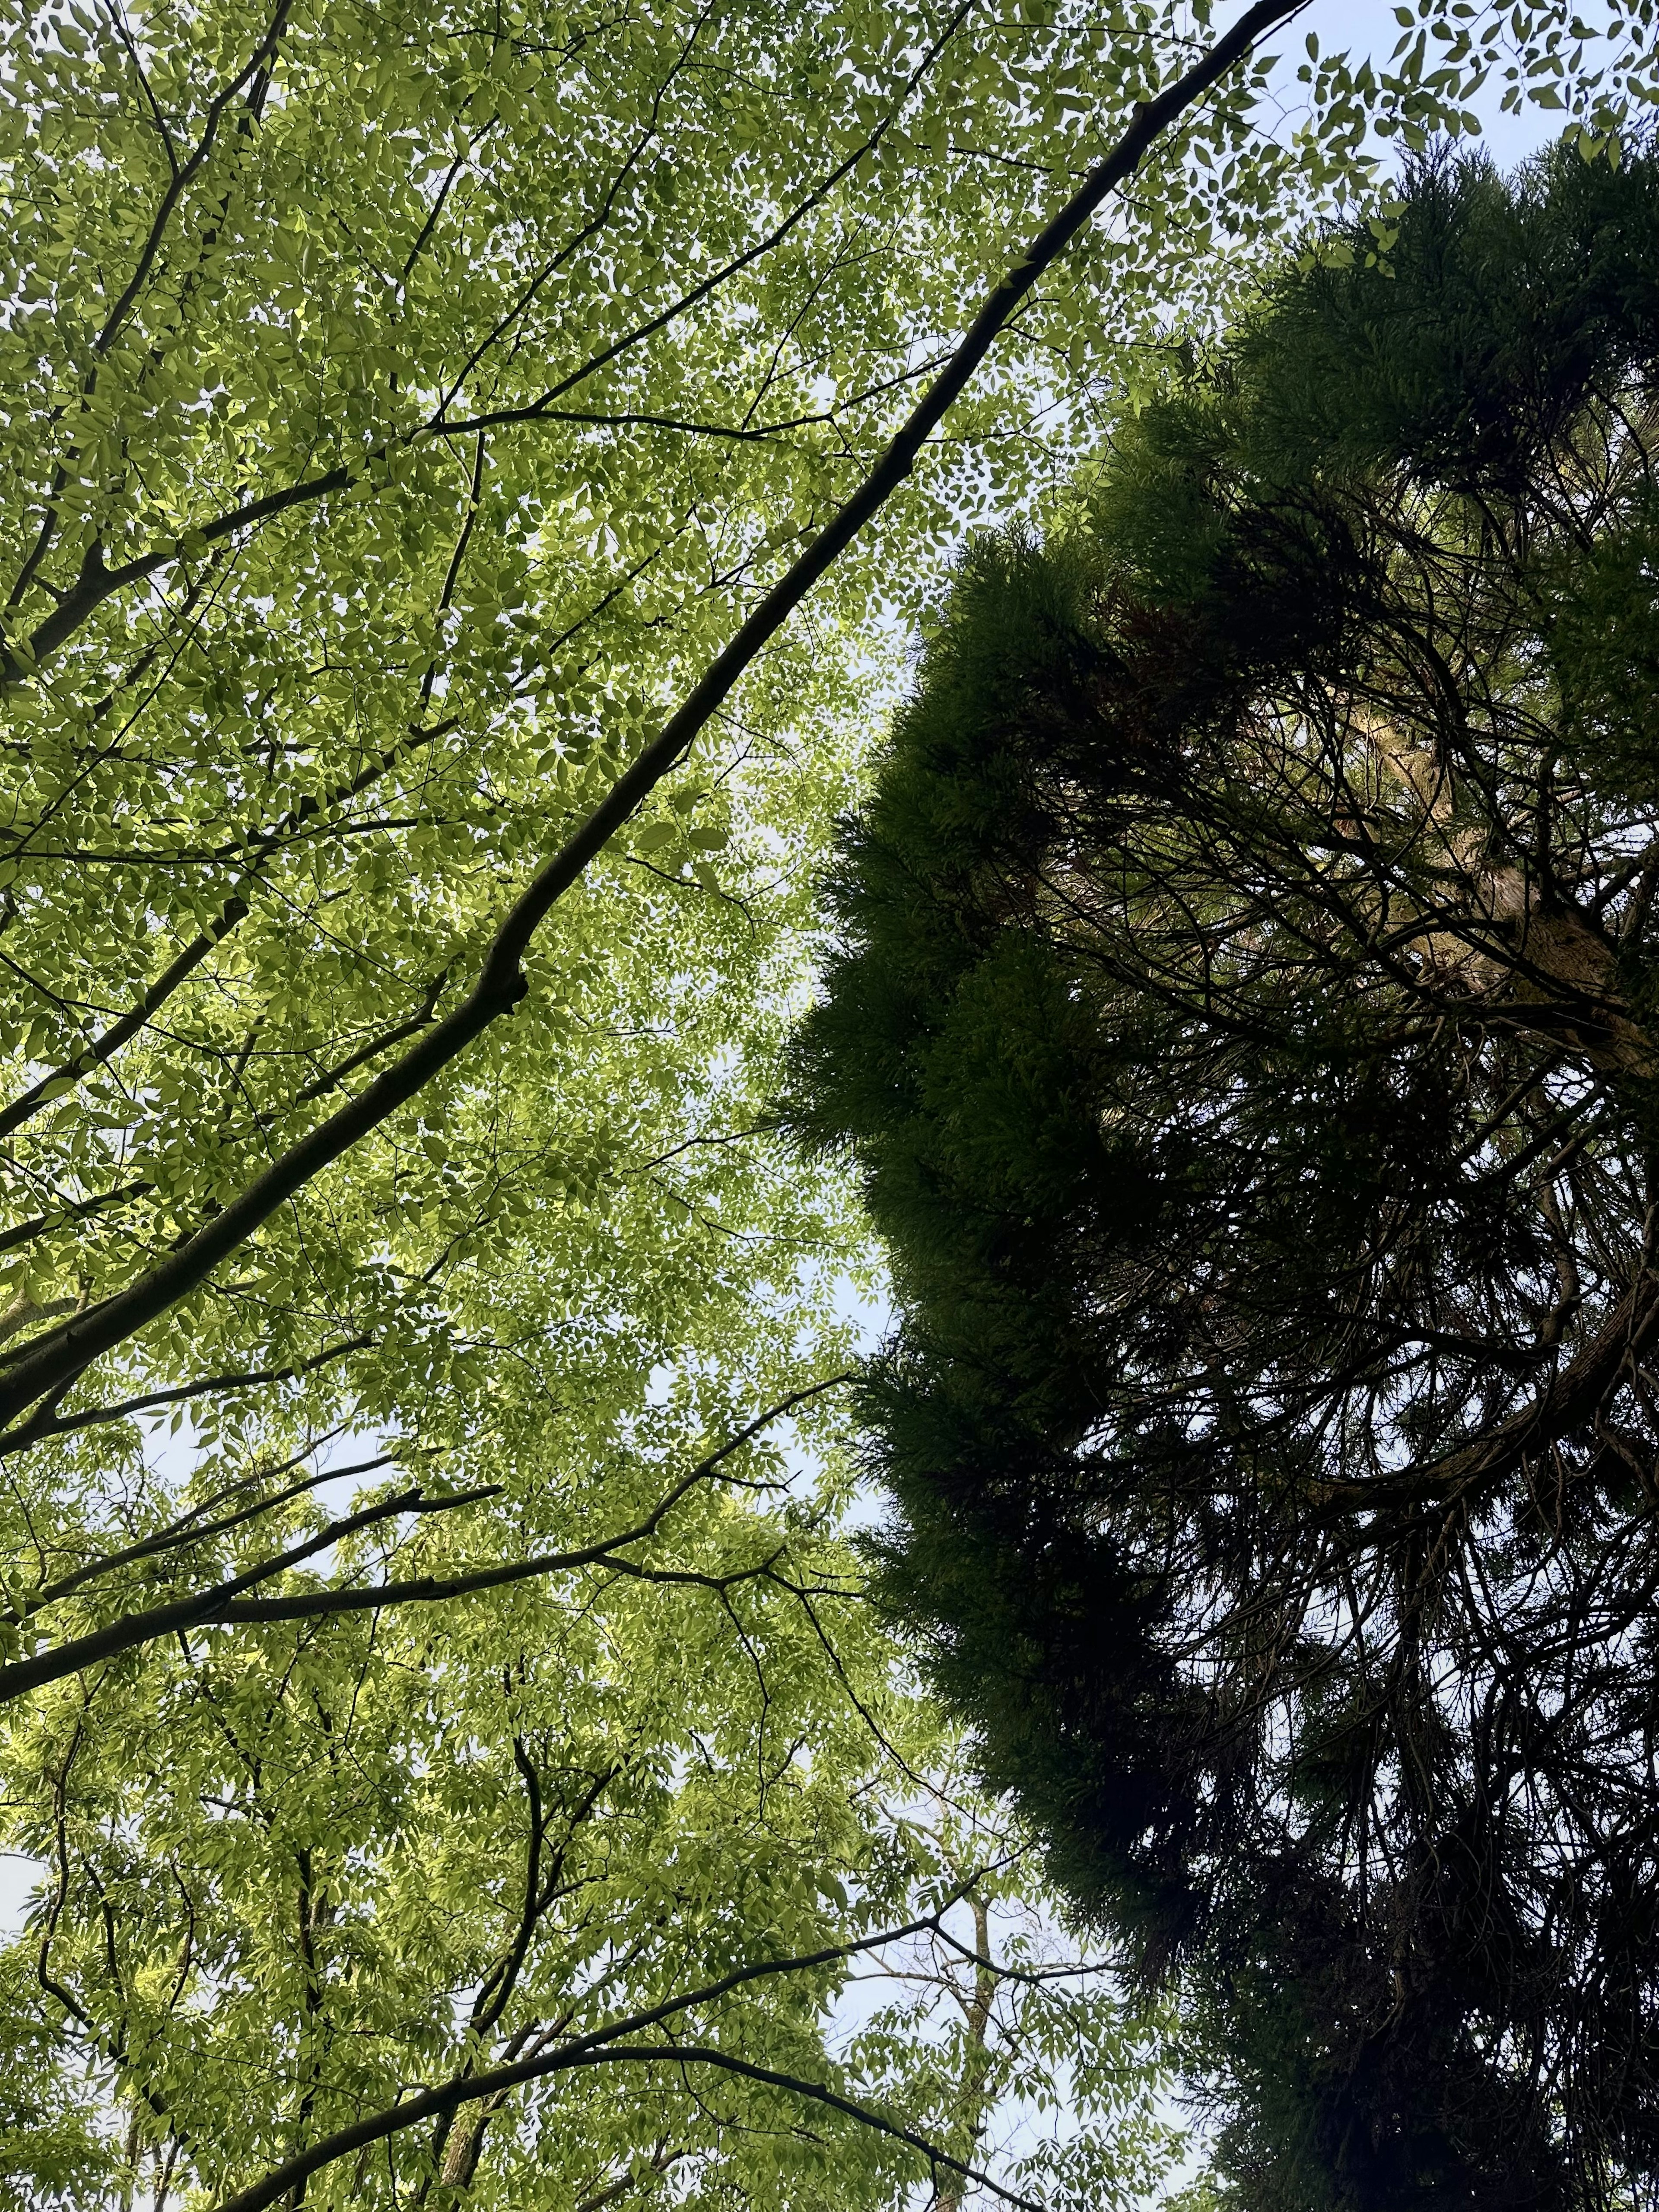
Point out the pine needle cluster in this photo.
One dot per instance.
(1245, 1016)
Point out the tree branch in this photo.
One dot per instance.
(223, 1605)
(233, 911)
(181, 1392)
(502, 982)
(23, 1675)
(604, 2047)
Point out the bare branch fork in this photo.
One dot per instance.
(53, 1363)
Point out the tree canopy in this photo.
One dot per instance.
(439, 483)
(1244, 1020)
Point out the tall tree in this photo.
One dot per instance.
(1245, 1023)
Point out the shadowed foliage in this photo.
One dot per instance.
(1244, 1016)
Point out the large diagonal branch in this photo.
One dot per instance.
(57, 1357)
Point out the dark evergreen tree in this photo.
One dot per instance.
(1246, 1019)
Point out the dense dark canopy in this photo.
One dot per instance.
(1246, 1018)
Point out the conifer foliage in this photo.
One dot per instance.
(1245, 1015)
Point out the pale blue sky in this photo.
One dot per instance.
(1369, 26)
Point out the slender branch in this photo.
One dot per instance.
(182, 178)
(25, 1232)
(321, 1086)
(193, 1530)
(23, 1675)
(605, 2047)
(91, 567)
(1567, 1400)
(775, 238)
(51, 1085)
(595, 222)
(428, 2103)
(180, 1393)
(233, 911)
(224, 1605)
(96, 583)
